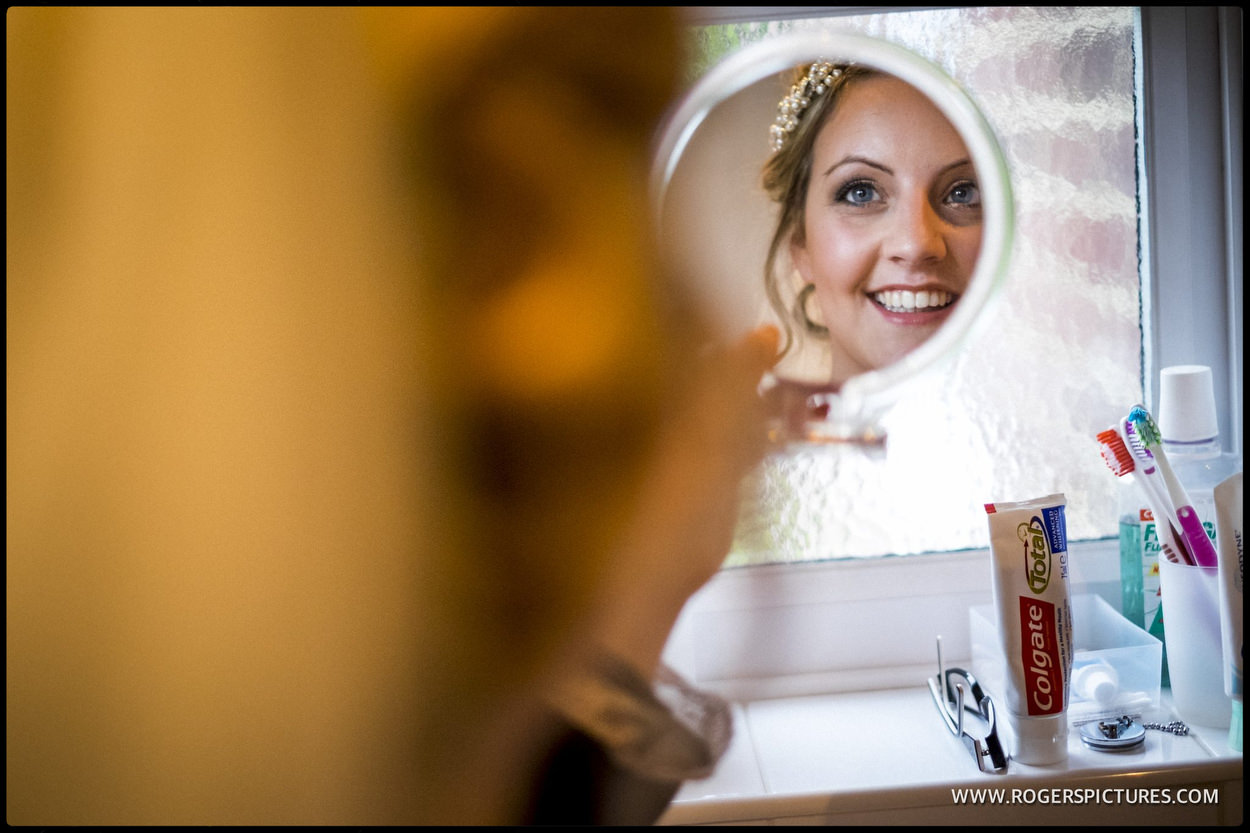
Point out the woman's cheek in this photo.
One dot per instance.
(846, 259)
(969, 244)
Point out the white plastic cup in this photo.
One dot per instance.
(1191, 626)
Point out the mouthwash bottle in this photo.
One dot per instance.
(1139, 564)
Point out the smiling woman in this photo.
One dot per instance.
(880, 213)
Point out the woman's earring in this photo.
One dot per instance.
(802, 315)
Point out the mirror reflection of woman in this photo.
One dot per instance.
(880, 216)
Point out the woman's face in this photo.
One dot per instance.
(892, 223)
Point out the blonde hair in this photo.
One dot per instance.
(786, 177)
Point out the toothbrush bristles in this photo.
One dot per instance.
(1115, 453)
(1145, 425)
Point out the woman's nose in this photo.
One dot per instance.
(916, 236)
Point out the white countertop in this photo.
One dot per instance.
(885, 757)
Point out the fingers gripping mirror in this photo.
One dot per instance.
(849, 192)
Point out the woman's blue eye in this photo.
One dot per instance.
(858, 193)
(965, 193)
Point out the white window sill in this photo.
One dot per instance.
(884, 757)
(826, 664)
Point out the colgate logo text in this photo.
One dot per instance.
(1040, 652)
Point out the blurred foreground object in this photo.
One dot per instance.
(295, 537)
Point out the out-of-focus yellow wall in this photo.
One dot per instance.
(216, 475)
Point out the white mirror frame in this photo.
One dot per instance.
(855, 410)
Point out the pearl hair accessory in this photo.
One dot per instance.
(790, 109)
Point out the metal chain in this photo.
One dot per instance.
(1176, 727)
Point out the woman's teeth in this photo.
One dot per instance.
(904, 300)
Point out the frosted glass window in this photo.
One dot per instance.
(1059, 356)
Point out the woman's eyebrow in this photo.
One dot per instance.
(863, 160)
(959, 163)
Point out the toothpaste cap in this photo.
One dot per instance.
(1098, 682)
(1040, 740)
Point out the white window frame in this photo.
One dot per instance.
(1192, 84)
(791, 629)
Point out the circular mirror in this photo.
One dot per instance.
(849, 192)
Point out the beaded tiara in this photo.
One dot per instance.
(818, 79)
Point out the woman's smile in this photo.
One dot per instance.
(913, 301)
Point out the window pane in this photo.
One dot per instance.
(1059, 357)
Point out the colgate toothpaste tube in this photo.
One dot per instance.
(1029, 551)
